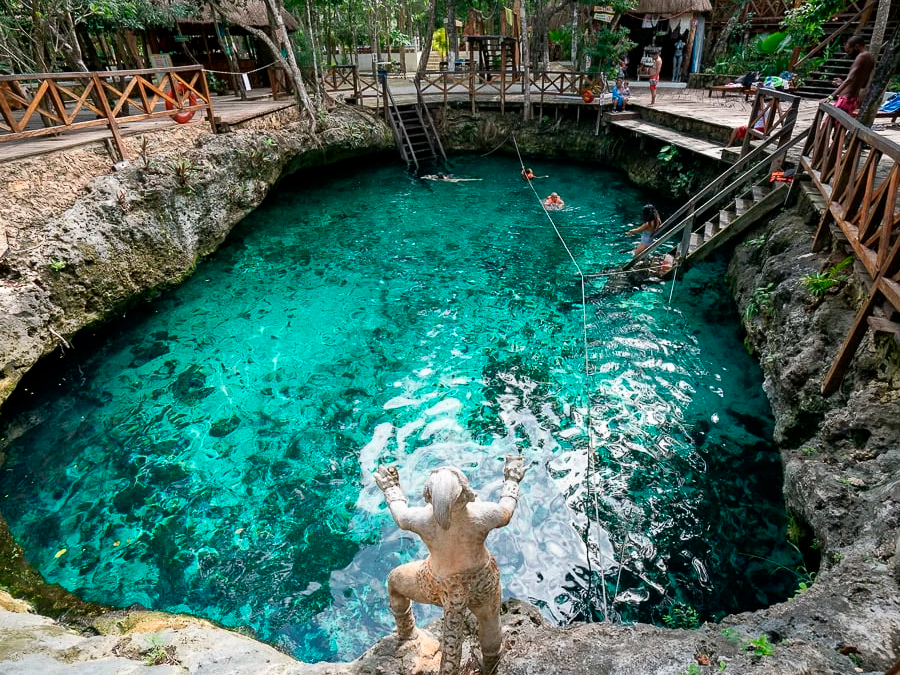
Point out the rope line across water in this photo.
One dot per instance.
(587, 410)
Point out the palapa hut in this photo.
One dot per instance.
(204, 37)
(667, 26)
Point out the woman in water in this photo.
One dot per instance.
(650, 223)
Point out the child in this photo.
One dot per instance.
(618, 98)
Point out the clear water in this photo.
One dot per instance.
(213, 455)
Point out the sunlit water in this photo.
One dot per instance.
(214, 454)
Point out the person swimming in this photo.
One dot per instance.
(446, 178)
(527, 174)
(554, 202)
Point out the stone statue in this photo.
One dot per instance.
(459, 572)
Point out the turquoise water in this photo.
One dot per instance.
(213, 454)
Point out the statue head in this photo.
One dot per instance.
(447, 487)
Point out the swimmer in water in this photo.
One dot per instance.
(446, 178)
(554, 202)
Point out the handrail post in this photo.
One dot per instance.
(113, 127)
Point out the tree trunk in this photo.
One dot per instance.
(885, 67)
(312, 45)
(451, 36)
(881, 20)
(237, 82)
(429, 35)
(288, 62)
(526, 70)
(573, 49)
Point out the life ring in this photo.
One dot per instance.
(184, 116)
(587, 96)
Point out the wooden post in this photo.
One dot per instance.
(692, 33)
(502, 77)
(111, 120)
(851, 343)
(204, 86)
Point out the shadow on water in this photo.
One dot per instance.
(213, 451)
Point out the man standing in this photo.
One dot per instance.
(847, 92)
(655, 71)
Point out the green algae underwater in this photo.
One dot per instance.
(213, 453)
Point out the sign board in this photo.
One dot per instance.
(181, 38)
(160, 61)
(603, 17)
(604, 9)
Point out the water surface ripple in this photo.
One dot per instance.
(214, 455)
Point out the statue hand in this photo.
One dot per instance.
(514, 468)
(387, 477)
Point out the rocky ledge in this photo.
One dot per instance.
(143, 228)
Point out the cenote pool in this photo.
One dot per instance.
(213, 454)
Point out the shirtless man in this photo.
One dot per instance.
(459, 572)
(655, 70)
(847, 92)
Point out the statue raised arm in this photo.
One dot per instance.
(459, 572)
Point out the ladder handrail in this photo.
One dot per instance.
(669, 229)
(398, 126)
(434, 133)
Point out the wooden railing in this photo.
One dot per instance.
(736, 178)
(772, 111)
(45, 104)
(858, 173)
(341, 78)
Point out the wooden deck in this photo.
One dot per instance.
(228, 109)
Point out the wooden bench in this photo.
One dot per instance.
(888, 115)
(725, 90)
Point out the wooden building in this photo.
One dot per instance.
(658, 26)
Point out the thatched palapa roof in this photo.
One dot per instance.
(672, 6)
(249, 12)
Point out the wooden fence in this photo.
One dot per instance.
(858, 173)
(46, 104)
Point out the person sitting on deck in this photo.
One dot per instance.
(618, 97)
(648, 227)
(758, 125)
(554, 202)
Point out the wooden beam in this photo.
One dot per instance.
(851, 344)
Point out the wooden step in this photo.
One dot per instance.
(725, 218)
(710, 229)
(741, 206)
(696, 240)
(759, 191)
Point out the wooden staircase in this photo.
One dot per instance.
(737, 200)
(413, 129)
(818, 84)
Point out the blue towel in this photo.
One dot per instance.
(892, 104)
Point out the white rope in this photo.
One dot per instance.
(228, 72)
(587, 416)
